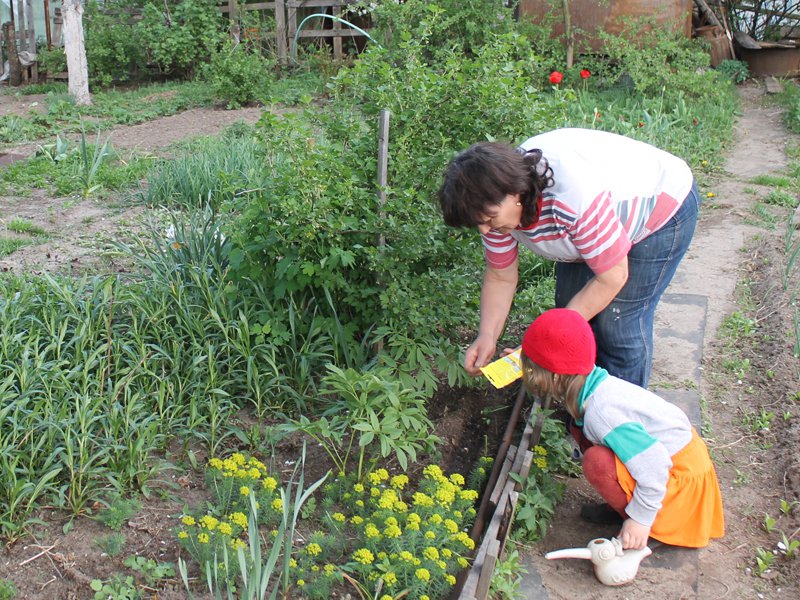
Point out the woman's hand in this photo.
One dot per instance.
(634, 535)
(479, 354)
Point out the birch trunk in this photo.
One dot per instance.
(75, 49)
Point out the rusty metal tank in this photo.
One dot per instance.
(605, 15)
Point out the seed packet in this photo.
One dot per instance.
(504, 370)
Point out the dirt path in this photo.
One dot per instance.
(755, 466)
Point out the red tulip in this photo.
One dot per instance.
(556, 77)
(585, 74)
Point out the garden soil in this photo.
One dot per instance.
(757, 466)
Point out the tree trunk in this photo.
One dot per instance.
(75, 49)
(14, 67)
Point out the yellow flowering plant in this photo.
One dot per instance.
(232, 480)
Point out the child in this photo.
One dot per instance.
(646, 461)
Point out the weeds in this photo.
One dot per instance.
(19, 225)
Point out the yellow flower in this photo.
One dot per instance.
(441, 564)
(337, 516)
(399, 481)
(315, 568)
(468, 495)
(450, 579)
(360, 503)
(540, 462)
(314, 549)
(435, 519)
(292, 563)
(374, 492)
(462, 562)
(277, 504)
(254, 473)
(244, 490)
(329, 569)
(406, 556)
(414, 518)
(386, 596)
(356, 520)
(421, 499)
(434, 472)
(390, 578)
(710, 195)
(392, 531)
(203, 538)
(269, 483)
(451, 526)
(391, 521)
(209, 522)
(188, 520)
(424, 597)
(371, 530)
(431, 553)
(239, 519)
(359, 488)
(238, 458)
(364, 556)
(423, 574)
(300, 583)
(237, 543)
(430, 535)
(182, 535)
(457, 478)
(215, 463)
(225, 528)
(447, 553)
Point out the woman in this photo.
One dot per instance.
(617, 215)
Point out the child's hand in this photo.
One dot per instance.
(634, 535)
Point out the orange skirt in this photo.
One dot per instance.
(691, 512)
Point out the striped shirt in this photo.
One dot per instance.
(609, 193)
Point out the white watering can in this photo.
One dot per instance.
(612, 565)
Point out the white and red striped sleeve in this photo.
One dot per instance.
(500, 249)
(599, 235)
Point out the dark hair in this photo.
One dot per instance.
(484, 174)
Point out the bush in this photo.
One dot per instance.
(735, 70)
(112, 53)
(176, 41)
(237, 76)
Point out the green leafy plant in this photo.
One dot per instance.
(118, 587)
(369, 415)
(19, 225)
(8, 591)
(112, 544)
(768, 523)
(118, 512)
(508, 574)
(149, 569)
(764, 559)
(735, 70)
(176, 40)
(112, 53)
(238, 76)
(90, 163)
(541, 491)
(789, 547)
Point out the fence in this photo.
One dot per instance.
(289, 13)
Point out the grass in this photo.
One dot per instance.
(19, 225)
(11, 245)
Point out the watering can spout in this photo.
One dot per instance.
(612, 564)
(584, 553)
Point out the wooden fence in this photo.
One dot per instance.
(290, 13)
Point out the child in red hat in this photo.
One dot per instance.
(643, 457)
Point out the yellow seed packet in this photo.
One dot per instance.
(504, 370)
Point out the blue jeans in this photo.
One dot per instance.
(624, 329)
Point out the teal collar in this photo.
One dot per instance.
(593, 379)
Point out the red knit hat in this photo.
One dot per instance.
(561, 340)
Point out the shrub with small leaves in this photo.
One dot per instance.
(237, 75)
